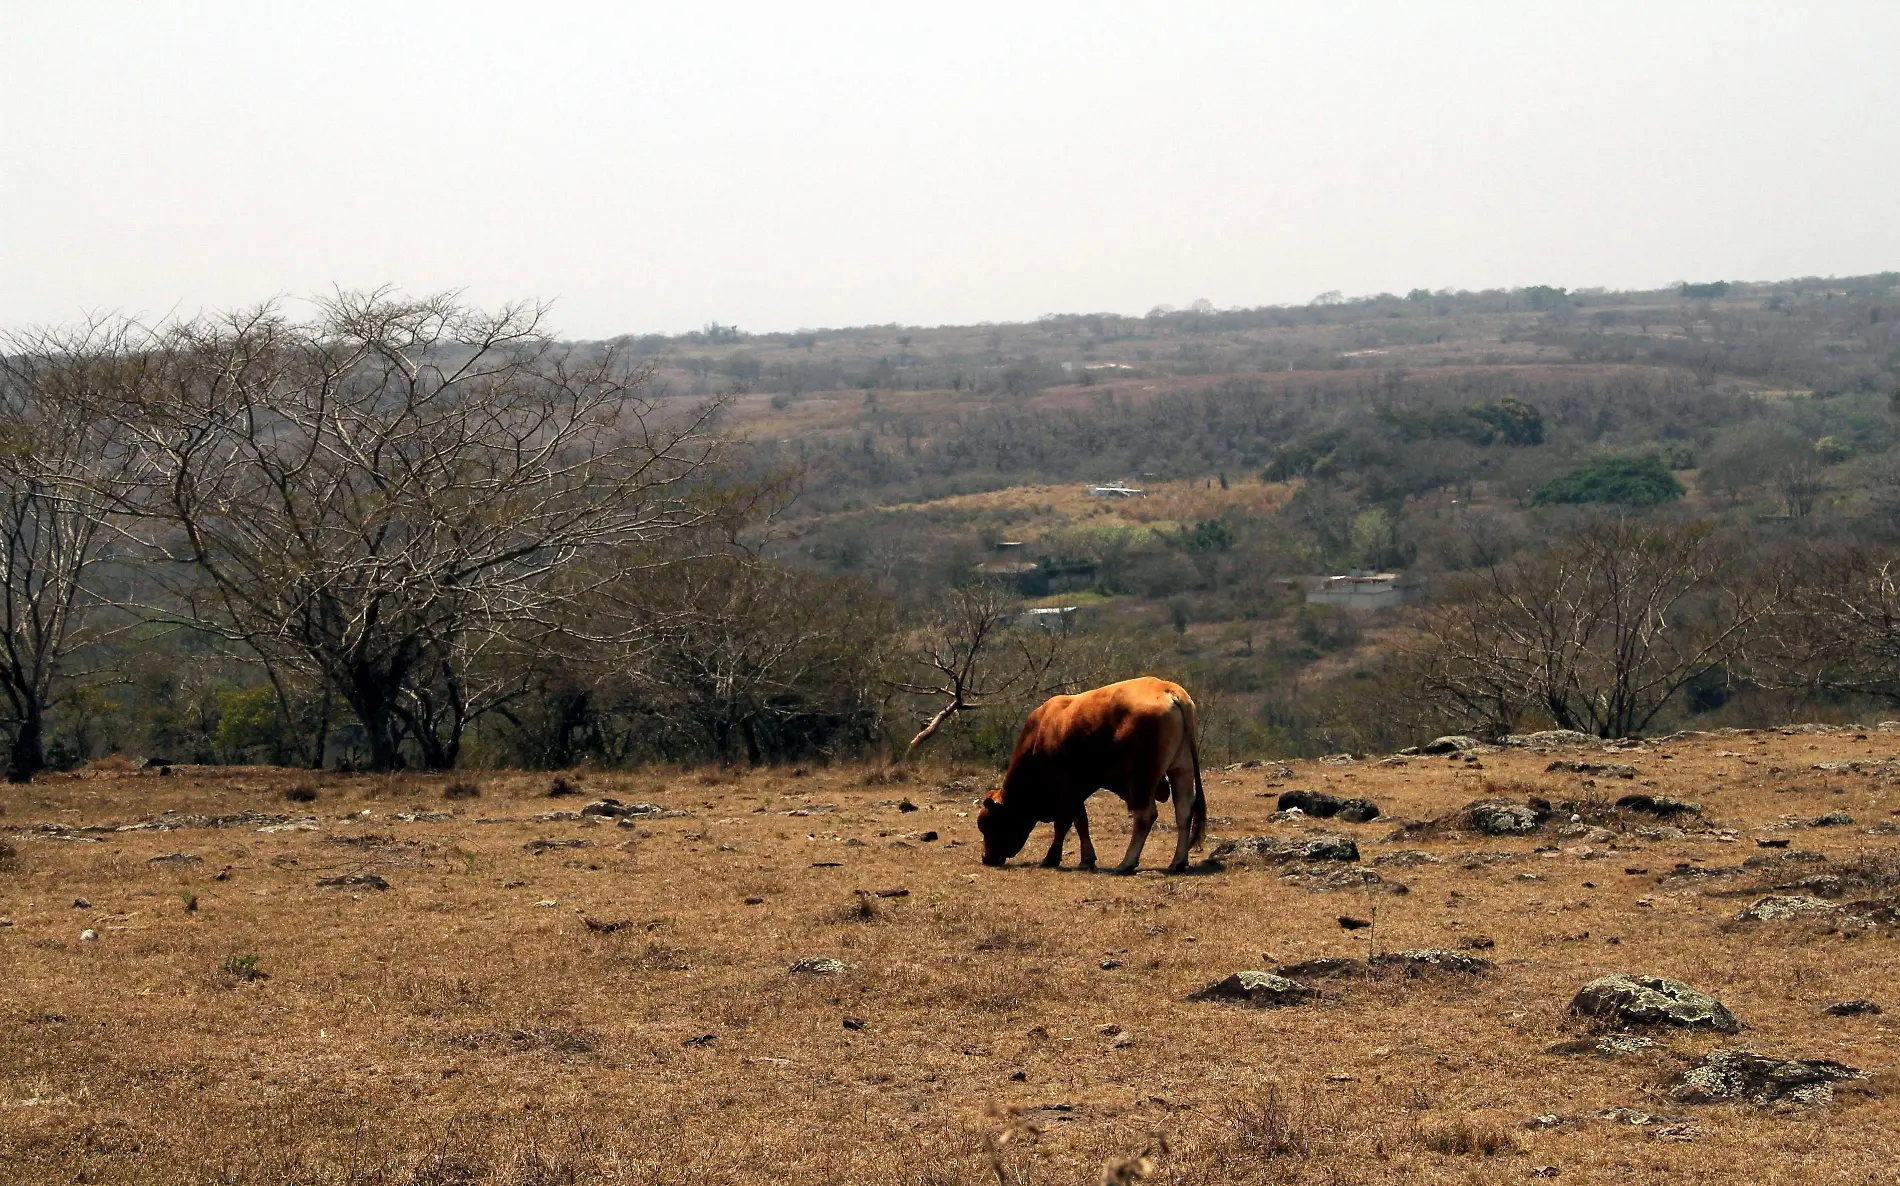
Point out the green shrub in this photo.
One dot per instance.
(1632, 481)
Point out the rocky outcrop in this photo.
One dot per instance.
(1652, 1000)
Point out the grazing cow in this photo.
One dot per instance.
(1135, 738)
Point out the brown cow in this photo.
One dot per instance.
(1135, 738)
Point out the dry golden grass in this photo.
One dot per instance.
(1014, 1026)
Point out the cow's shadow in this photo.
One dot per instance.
(1205, 868)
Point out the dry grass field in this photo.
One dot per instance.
(582, 1000)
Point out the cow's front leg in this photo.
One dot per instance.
(1144, 819)
(1054, 858)
(1082, 834)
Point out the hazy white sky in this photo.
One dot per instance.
(654, 166)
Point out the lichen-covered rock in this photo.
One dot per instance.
(1783, 1083)
(1652, 1000)
(1419, 961)
(1274, 850)
(1604, 769)
(1548, 739)
(1262, 990)
(1455, 743)
(1605, 1045)
(1502, 817)
(1320, 878)
(1406, 858)
(819, 965)
(1332, 967)
(1788, 908)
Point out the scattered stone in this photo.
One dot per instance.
(1763, 1081)
(82, 904)
(1544, 1171)
(1659, 805)
(1549, 1120)
(755, 901)
(1604, 1045)
(1502, 817)
(1855, 1008)
(1833, 819)
(546, 903)
(1683, 1132)
(1321, 879)
(1109, 965)
(615, 809)
(544, 845)
(1638, 1117)
(89, 936)
(1601, 769)
(1782, 843)
(1348, 923)
(601, 927)
(1548, 739)
(6, 922)
(1263, 990)
(555, 817)
(894, 892)
(1419, 961)
(927, 837)
(1477, 943)
(1652, 1000)
(855, 1023)
(701, 1040)
(1455, 743)
(1273, 850)
(1479, 860)
(1765, 860)
(368, 880)
(414, 817)
(820, 965)
(906, 806)
(177, 860)
(1788, 908)
(1406, 858)
(1321, 805)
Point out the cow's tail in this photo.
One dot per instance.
(1197, 818)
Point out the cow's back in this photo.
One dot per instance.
(1072, 745)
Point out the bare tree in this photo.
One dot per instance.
(66, 472)
(390, 496)
(969, 653)
(1840, 628)
(1597, 633)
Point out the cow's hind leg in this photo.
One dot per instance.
(1054, 859)
(1082, 834)
(1184, 791)
(1143, 818)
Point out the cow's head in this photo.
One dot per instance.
(1005, 829)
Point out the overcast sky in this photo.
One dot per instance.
(651, 167)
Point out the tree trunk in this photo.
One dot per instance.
(27, 756)
(377, 714)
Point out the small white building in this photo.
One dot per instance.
(1358, 590)
(1116, 490)
(1059, 618)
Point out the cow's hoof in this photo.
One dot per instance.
(1087, 866)
(1123, 871)
(1052, 864)
(1178, 867)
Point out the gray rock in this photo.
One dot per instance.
(1761, 1080)
(1326, 968)
(1418, 961)
(1604, 769)
(820, 965)
(1604, 1045)
(1321, 805)
(177, 860)
(544, 845)
(1833, 819)
(1854, 1008)
(615, 809)
(1406, 858)
(1659, 805)
(1652, 1000)
(1788, 908)
(364, 880)
(1273, 850)
(1320, 878)
(1548, 739)
(1262, 990)
(1455, 743)
(1502, 817)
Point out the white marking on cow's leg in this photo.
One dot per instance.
(1143, 819)
(1183, 782)
(1082, 834)
(1054, 859)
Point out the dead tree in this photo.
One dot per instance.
(969, 654)
(66, 476)
(384, 496)
(1595, 634)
